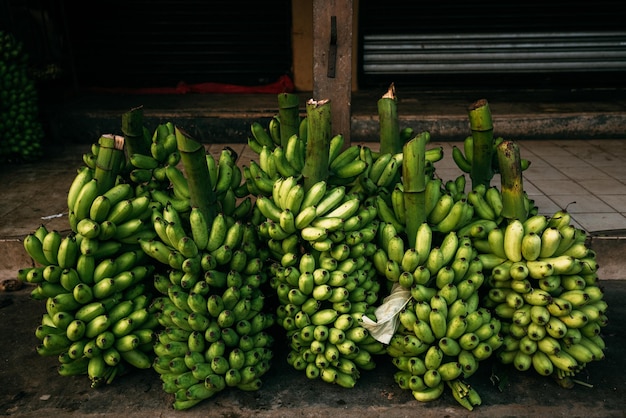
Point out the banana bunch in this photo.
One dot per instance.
(321, 241)
(98, 320)
(275, 160)
(438, 202)
(21, 131)
(542, 283)
(270, 137)
(212, 306)
(383, 171)
(232, 197)
(447, 207)
(443, 332)
(356, 166)
(109, 218)
(161, 177)
(464, 159)
(321, 303)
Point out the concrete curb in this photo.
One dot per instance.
(210, 128)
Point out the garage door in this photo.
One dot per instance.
(452, 37)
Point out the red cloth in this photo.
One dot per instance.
(283, 85)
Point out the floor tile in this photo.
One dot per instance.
(603, 186)
(616, 201)
(551, 187)
(582, 172)
(601, 221)
(581, 203)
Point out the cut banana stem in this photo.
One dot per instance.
(193, 157)
(413, 175)
(135, 142)
(482, 136)
(318, 143)
(512, 187)
(289, 116)
(389, 123)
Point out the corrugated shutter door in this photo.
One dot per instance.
(453, 37)
(139, 43)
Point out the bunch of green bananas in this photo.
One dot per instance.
(542, 283)
(463, 159)
(21, 132)
(321, 241)
(358, 167)
(443, 331)
(212, 309)
(99, 318)
(446, 205)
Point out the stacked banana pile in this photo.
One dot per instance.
(21, 131)
(478, 284)
(543, 285)
(213, 326)
(96, 281)
(212, 311)
(322, 242)
(444, 332)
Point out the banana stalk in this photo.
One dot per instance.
(413, 175)
(132, 127)
(512, 187)
(318, 143)
(109, 160)
(289, 114)
(193, 158)
(388, 121)
(482, 133)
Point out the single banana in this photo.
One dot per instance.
(513, 235)
(331, 200)
(295, 152)
(460, 160)
(274, 129)
(85, 198)
(389, 172)
(34, 248)
(199, 227)
(83, 175)
(283, 166)
(494, 198)
(481, 207)
(68, 252)
(336, 146)
(454, 218)
(495, 238)
(315, 194)
(346, 156)
(379, 166)
(261, 135)
(441, 209)
(351, 170)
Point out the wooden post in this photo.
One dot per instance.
(332, 60)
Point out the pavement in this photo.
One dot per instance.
(577, 148)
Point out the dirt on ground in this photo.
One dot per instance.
(31, 387)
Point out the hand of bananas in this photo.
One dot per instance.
(543, 285)
(443, 332)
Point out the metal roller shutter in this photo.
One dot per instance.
(145, 43)
(485, 37)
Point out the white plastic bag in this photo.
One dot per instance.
(387, 314)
